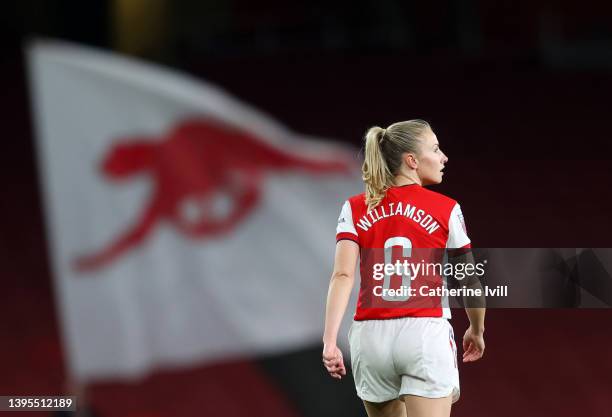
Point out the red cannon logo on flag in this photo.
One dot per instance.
(207, 179)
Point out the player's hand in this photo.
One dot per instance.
(333, 361)
(473, 345)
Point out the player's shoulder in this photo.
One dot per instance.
(438, 198)
(357, 200)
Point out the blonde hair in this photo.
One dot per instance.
(383, 155)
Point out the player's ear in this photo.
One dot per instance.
(410, 160)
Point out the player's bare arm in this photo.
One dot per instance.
(340, 287)
(473, 339)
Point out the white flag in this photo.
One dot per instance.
(184, 225)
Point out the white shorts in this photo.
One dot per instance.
(410, 355)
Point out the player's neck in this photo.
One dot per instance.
(403, 179)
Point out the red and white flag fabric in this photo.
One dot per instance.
(185, 226)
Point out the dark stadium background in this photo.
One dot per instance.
(518, 93)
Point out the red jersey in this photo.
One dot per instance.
(409, 217)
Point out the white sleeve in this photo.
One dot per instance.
(457, 234)
(345, 223)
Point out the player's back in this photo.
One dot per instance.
(410, 217)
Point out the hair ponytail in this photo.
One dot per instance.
(376, 174)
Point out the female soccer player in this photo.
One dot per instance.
(404, 360)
